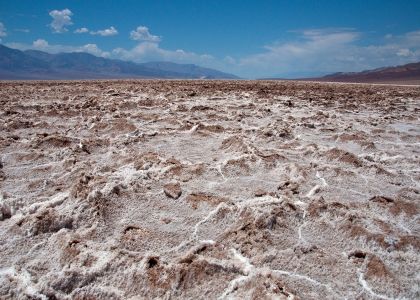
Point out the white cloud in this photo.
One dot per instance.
(142, 34)
(106, 32)
(81, 30)
(43, 45)
(61, 19)
(3, 32)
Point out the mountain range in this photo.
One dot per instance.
(404, 74)
(409, 73)
(34, 64)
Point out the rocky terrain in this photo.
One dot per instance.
(209, 190)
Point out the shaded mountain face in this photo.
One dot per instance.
(34, 64)
(15, 60)
(408, 72)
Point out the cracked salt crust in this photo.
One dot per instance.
(305, 190)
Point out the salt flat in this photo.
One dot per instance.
(209, 190)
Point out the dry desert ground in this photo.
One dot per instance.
(137, 189)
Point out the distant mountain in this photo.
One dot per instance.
(11, 59)
(34, 64)
(404, 74)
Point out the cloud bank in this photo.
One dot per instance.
(327, 50)
(43, 45)
(148, 49)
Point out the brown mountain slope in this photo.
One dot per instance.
(405, 74)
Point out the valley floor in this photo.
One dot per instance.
(138, 189)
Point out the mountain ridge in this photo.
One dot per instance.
(35, 64)
(402, 73)
(408, 73)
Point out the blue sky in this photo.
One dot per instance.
(249, 38)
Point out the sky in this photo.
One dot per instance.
(252, 39)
